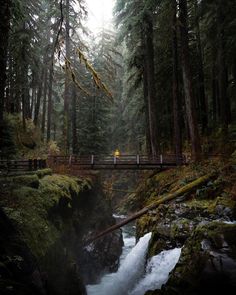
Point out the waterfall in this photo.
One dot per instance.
(157, 271)
(132, 277)
(128, 274)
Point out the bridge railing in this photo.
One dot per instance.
(122, 160)
(22, 165)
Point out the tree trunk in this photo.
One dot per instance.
(227, 102)
(67, 82)
(145, 98)
(222, 71)
(4, 35)
(74, 122)
(34, 93)
(147, 120)
(45, 92)
(152, 99)
(23, 110)
(24, 81)
(26, 92)
(175, 87)
(54, 131)
(17, 87)
(201, 76)
(188, 83)
(50, 104)
(9, 90)
(39, 96)
(13, 100)
(214, 94)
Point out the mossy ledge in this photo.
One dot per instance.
(43, 220)
(201, 223)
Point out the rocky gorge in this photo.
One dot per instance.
(45, 219)
(201, 223)
(184, 246)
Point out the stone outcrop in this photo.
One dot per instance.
(201, 223)
(44, 220)
(207, 264)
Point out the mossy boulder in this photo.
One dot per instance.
(207, 263)
(162, 182)
(197, 222)
(47, 224)
(32, 209)
(173, 223)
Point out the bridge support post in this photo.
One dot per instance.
(161, 160)
(138, 159)
(70, 160)
(92, 161)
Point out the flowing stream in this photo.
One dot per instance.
(135, 276)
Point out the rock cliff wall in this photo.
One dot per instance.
(44, 220)
(202, 223)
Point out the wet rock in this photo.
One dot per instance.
(19, 272)
(177, 221)
(42, 230)
(208, 260)
(101, 257)
(207, 263)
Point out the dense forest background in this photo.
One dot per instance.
(164, 80)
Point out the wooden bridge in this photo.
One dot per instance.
(94, 162)
(123, 162)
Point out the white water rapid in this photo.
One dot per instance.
(132, 277)
(157, 271)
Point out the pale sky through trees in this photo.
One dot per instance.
(99, 14)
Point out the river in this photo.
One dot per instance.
(135, 275)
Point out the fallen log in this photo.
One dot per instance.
(190, 187)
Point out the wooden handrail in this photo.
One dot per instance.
(99, 162)
(94, 162)
(22, 165)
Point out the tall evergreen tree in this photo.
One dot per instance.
(5, 17)
(175, 87)
(190, 101)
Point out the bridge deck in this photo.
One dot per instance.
(93, 162)
(124, 162)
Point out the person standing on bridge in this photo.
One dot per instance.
(117, 153)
